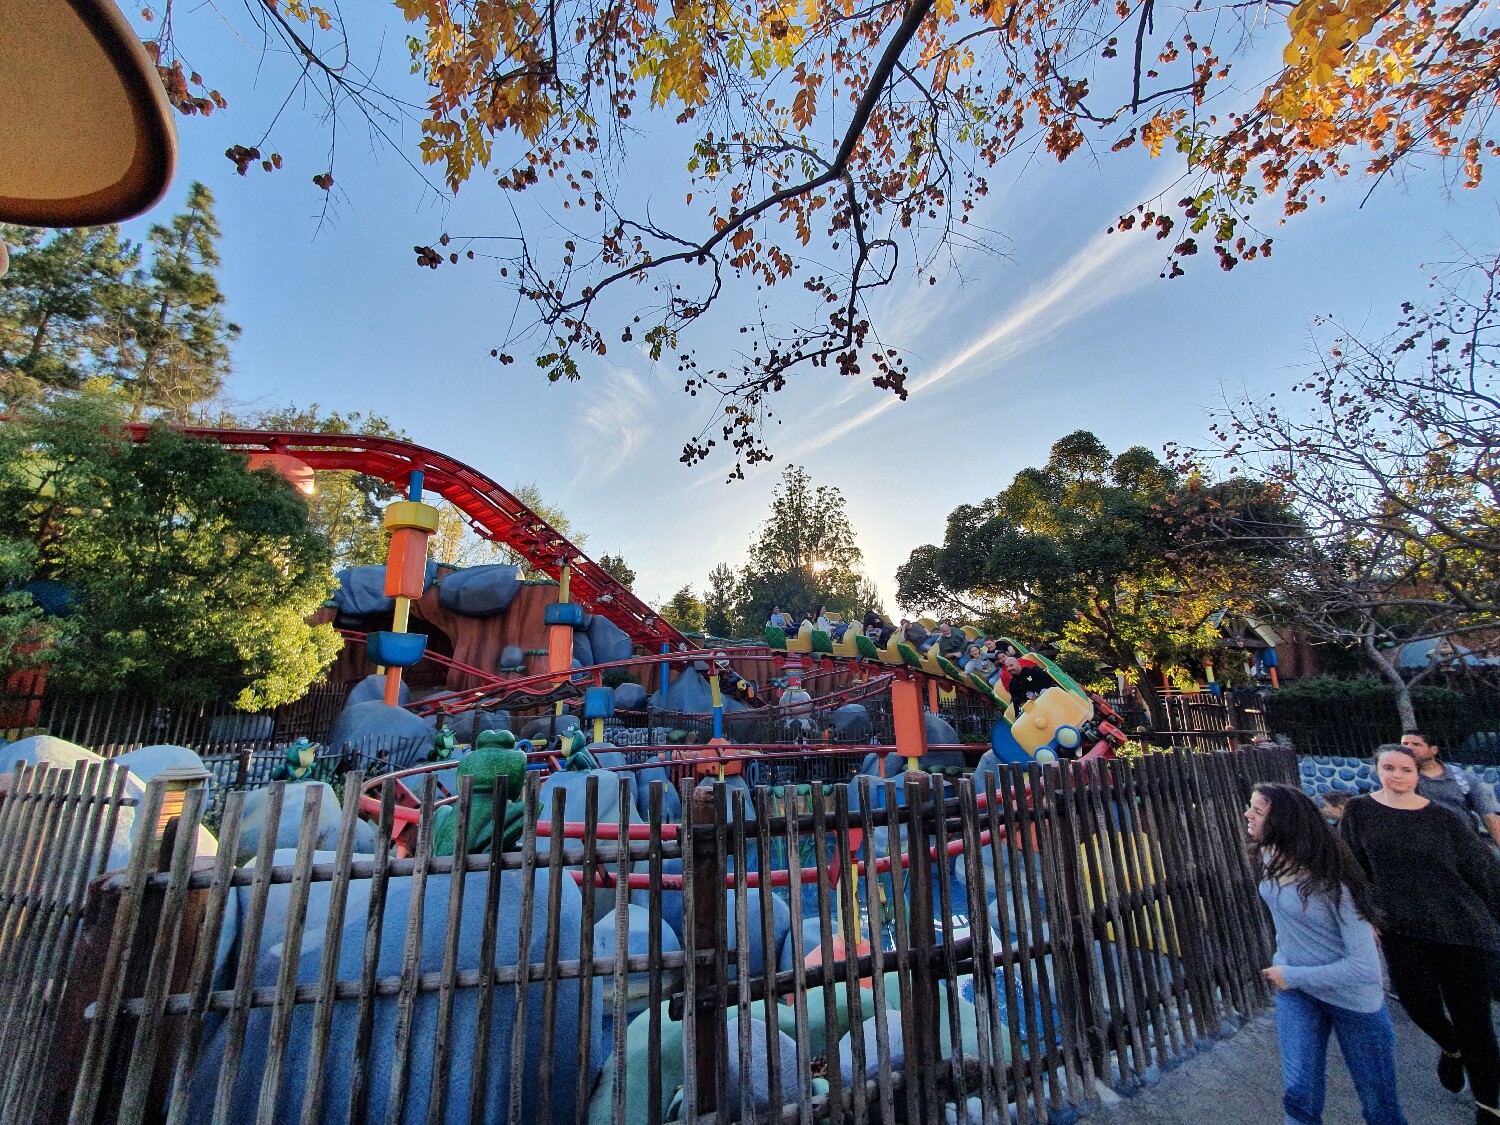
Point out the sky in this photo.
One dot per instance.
(1067, 327)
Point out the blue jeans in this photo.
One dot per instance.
(1367, 1041)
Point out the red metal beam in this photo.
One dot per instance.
(491, 511)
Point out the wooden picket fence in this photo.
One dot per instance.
(1110, 908)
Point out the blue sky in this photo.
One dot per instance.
(1068, 328)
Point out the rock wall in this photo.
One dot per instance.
(1357, 775)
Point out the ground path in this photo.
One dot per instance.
(1237, 1081)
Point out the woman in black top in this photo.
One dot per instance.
(1440, 893)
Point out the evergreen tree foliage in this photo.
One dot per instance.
(620, 568)
(718, 601)
(174, 348)
(684, 611)
(58, 300)
(803, 556)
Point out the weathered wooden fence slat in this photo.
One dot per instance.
(1002, 942)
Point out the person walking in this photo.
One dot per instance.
(1439, 893)
(1326, 969)
(1454, 787)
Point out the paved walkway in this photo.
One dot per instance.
(1237, 1081)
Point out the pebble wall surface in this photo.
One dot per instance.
(1357, 775)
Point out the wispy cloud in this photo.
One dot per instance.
(613, 426)
(1104, 269)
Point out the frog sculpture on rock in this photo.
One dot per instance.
(300, 763)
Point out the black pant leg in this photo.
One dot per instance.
(1463, 974)
(1411, 962)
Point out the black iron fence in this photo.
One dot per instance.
(1466, 725)
(112, 723)
(876, 949)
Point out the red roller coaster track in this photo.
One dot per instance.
(491, 511)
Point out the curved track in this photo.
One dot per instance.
(491, 511)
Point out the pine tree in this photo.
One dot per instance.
(174, 352)
(55, 302)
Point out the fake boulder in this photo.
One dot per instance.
(253, 822)
(462, 1026)
(480, 591)
(375, 727)
(607, 640)
(851, 723)
(371, 689)
(630, 696)
(638, 937)
(689, 692)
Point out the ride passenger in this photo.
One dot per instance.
(949, 643)
(1023, 679)
(778, 619)
(1439, 891)
(1326, 969)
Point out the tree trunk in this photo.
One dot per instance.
(1150, 699)
(1390, 669)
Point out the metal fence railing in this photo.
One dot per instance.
(1466, 726)
(1017, 944)
(113, 723)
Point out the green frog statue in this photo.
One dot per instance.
(498, 768)
(443, 742)
(300, 763)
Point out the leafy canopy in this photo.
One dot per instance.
(1124, 561)
(192, 577)
(1387, 452)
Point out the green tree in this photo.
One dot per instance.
(684, 611)
(620, 568)
(718, 601)
(173, 347)
(1119, 558)
(55, 301)
(804, 554)
(346, 506)
(192, 577)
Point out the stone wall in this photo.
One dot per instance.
(1357, 775)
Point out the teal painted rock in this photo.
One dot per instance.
(462, 1026)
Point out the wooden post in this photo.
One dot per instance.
(708, 898)
(926, 1019)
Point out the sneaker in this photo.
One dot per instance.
(1451, 1071)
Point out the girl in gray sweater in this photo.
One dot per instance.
(1327, 966)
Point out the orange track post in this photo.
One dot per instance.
(906, 718)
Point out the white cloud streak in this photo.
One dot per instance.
(613, 427)
(1104, 269)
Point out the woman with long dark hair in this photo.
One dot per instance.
(1439, 890)
(1327, 965)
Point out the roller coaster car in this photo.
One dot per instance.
(732, 684)
(891, 654)
(803, 640)
(1038, 720)
(855, 645)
